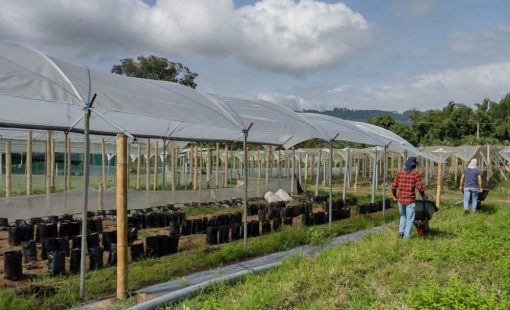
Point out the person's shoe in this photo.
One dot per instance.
(401, 235)
(466, 212)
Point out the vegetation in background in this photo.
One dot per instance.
(156, 68)
(455, 124)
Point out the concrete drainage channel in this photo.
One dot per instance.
(176, 290)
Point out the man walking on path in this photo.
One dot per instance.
(471, 185)
(403, 189)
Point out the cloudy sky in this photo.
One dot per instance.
(308, 54)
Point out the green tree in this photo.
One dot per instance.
(156, 68)
(384, 121)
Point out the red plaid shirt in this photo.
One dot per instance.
(406, 183)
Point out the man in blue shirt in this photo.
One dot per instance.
(471, 185)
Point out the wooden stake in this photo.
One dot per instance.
(201, 163)
(156, 164)
(69, 164)
(270, 162)
(208, 168)
(225, 168)
(439, 183)
(28, 165)
(48, 164)
(148, 166)
(138, 165)
(195, 167)
(8, 163)
(100, 197)
(103, 163)
(217, 165)
(121, 217)
(174, 168)
(356, 170)
(52, 166)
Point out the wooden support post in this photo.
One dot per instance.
(148, 166)
(312, 167)
(28, 165)
(306, 169)
(287, 170)
(100, 197)
(174, 168)
(270, 162)
(356, 170)
(103, 163)
(69, 164)
(439, 183)
(266, 166)
(48, 164)
(392, 159)
(195, 167)
(8, 163)
(200, 166)
(217, 172)
(52, 166)
(208, 168)
(225, 168)
(138, 165)
(121, 202)
(129, 163)
(156, 164)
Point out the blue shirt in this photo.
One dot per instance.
(471, 177)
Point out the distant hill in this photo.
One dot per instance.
(363, 115)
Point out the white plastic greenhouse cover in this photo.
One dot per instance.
(55, 91)
(505, 154)
(397, 142)
(330, 126)
(467, 152)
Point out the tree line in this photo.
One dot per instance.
(455, 124)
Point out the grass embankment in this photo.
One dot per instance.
(62, 292)
(464, 263)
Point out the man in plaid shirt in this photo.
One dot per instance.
(406, 181)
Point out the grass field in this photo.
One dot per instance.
(463, 264)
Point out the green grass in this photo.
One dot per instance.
(463, 264)
(102, 283)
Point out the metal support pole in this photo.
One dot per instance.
(65, 166)
(121, 202)
(85, 194)
(330, 182)
(245, 198)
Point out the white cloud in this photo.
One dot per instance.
(425, 91)
(491, 44)
(277, 35)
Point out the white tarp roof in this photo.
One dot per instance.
(330, 126)
(397, 142)
(42, 92)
